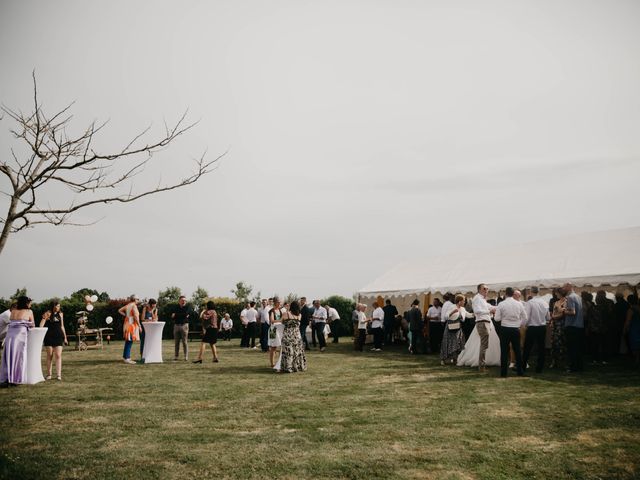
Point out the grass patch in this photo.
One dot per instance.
(351, 415)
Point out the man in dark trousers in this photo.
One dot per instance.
(180, 319)
(416, 325)
(390, 312)
(305, 316)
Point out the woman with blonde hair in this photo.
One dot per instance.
(453, 338)
(130, 327)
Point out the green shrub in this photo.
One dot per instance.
(345, 307)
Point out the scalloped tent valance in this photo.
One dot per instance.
(590, 259)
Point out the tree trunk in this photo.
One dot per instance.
(6, 229)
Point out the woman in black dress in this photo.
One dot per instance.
(55, 337)
(209, 319)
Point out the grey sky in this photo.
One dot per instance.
(360, 134)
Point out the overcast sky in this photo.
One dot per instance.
(359, 134)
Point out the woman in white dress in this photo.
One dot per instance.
(275, 330)
(469, 357)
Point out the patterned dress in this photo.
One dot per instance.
(557, 334)
(453, 338)
(292, 358)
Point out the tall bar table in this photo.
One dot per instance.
(152, 352)
(35, 338)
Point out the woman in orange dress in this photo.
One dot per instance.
(130, 327)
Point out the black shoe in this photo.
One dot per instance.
(215, 360)
(197, 361)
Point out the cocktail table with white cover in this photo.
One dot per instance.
(35, 338)
(152, 351)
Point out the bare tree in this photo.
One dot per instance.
(55, 158)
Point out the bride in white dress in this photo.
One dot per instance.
(470, 356)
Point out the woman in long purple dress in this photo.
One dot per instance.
(13, 369)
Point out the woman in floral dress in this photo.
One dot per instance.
(453, 339)
(557, 329)
(292, 358)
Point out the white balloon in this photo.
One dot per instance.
(87, 298)
(94, 298)
(89, 307)
(109, 320)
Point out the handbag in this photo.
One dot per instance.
(454, 321)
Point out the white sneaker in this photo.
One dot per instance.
(512, 365)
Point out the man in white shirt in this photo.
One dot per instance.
(482, 310)
(361, 326)
(319, 319)
(377, 322)
(333, 315)
(251, 319)
(536, 324)
(5, 318)
(263, 319)
(435, 325)
(226, 326)
(511, 315)
(446, 307)
(244, 340)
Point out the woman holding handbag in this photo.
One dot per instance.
(453, 338)
(130, 327)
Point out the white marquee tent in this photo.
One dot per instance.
(609, 258)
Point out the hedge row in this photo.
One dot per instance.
(102, 310)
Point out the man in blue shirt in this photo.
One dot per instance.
(573, 328)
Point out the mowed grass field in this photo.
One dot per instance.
(350, 415)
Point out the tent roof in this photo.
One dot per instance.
(598, 258)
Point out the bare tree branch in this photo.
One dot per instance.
(93, 177)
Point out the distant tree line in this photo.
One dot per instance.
(167, 298)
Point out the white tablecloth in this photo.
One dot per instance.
(35, 337)
(152, 352)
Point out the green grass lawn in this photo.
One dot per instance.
(350, 415)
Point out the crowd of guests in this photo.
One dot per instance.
(459, 329)
(280, 327)
(569, 326)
